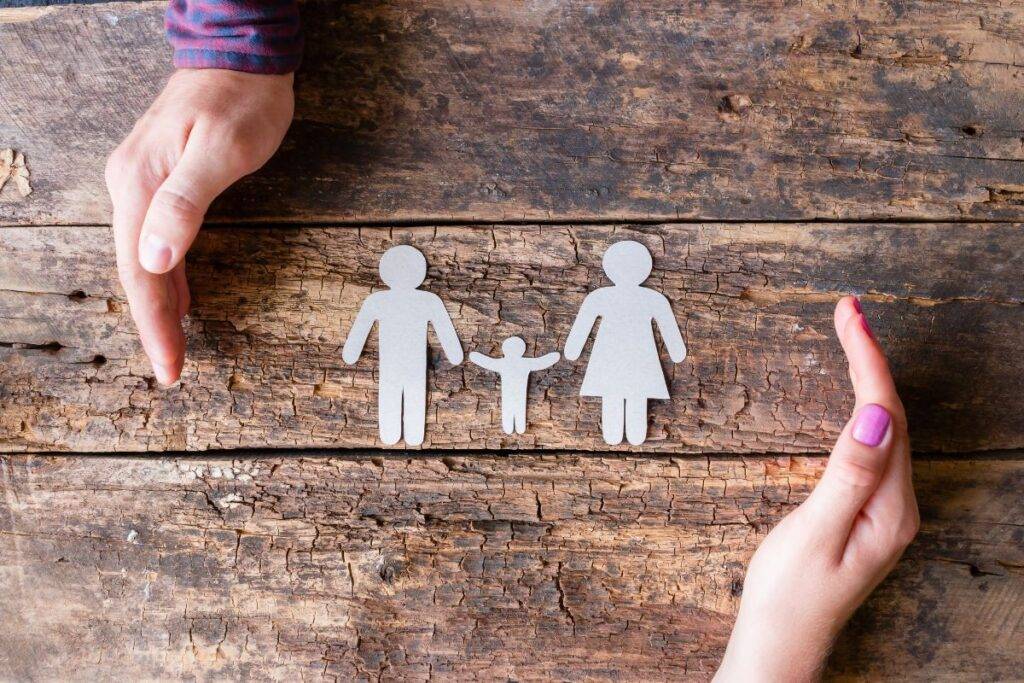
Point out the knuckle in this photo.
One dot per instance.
(117, 166)
(858, 472)
(241, 155)
(907, 529)
(129, 163)
(125, 268)
(177, 202)
(128, 274)
(236, 137)
(898, 536)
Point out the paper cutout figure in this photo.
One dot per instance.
(624, 369)
(402, 314)
(514, 370)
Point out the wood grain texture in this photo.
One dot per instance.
(272, 308)
(428, 110)
(486, 567)
(359, 565)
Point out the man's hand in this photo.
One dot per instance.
(817, 566)
(207, 129)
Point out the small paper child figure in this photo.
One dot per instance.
(403, 314)
(514, 370)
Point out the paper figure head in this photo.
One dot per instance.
(513, 347)
(627, 263)
(403, 267)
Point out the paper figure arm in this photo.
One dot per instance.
(581, 328)
(669, 329)
(445, 331)
(486, 362)
(358, 334)
(545, 361)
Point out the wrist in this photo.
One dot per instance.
(756, 665)
(775, 650)
(186, 72)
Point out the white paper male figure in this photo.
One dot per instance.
(402, 314)
(514, 370)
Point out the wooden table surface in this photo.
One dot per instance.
(773, 156)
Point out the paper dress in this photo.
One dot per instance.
(514, 370)
(624, 369)
(402, 314)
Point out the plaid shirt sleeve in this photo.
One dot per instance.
(257, 36)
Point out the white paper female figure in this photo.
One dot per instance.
(403, 314)
(624, 369)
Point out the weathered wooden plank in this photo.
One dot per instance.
(491, 567)
(272, 308)
(424, 110)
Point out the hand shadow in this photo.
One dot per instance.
(946, 610)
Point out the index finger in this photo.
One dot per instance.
(893, 503)
(869, 370)
(151, 298)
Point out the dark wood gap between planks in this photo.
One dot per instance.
(603, 221)
(366, 453)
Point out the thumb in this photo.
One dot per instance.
(854, 470)
(179, 205)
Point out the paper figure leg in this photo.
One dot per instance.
(415, 410)
(507, 418)
(612, 419)
(520, 420)
(519, 410)
(508, 402)
(636, 420)
(389, 412)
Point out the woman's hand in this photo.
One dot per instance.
(817, 566)
(207, 129)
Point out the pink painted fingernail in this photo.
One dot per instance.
(154, 254)
(867, 328)
(856, 306)
(871, 424)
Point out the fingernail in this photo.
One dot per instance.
(154, 254)
(856, 305)
(867, 328)
(163, 374)
(871, 424)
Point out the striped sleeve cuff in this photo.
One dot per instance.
(257, 37)
(236, 61)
